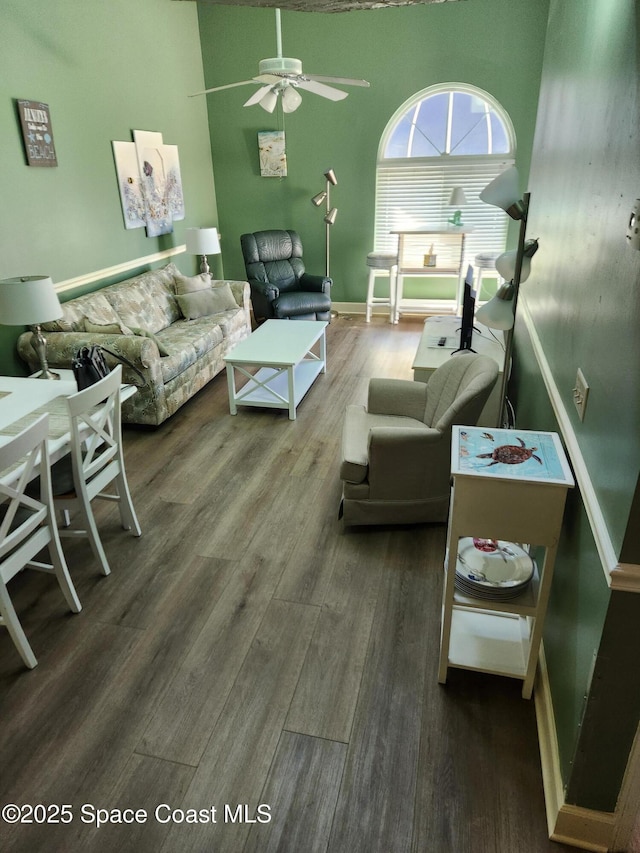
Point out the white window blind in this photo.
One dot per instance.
(414, 193)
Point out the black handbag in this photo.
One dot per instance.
(90, 366)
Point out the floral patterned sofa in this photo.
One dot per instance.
(176, 330)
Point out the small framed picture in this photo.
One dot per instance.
(37, 133)
(273, 158)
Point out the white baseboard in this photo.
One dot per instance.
(586, 829)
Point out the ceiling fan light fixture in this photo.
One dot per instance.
(291, 99)
(269, 101)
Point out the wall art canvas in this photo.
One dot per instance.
(273, 158)
(175, 200)
(153, 174)
(149, 182)
(129, 184)
(37, 133)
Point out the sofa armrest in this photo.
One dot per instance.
(397, 397)
(315, 283)
(63, 346)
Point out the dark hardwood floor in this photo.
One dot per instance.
(249, 651)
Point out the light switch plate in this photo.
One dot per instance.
(580, 394)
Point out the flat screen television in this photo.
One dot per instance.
(468, 310)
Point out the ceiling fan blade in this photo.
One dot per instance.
(342, 81)
(257, 96)
(269, 78)
(220, 88)
(321, 89)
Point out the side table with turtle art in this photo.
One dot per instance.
(507, 502)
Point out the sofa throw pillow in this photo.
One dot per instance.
(191, 284)
(143, 333)
(201, 303)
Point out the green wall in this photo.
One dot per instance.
(400, 51)
(104, 69)
(584, 301)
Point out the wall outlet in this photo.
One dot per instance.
(580, 394)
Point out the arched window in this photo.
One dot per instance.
(447, 136)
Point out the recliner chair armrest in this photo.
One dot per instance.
(397, 397)
(264, 288)
(315, 283)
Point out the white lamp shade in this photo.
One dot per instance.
(497, 313)
(291, 99)
(318, 199)
(330, 175)
(269, 101)
(202, 241)
(28, 301)
(506, 266)
(504, 192)
(458, 197)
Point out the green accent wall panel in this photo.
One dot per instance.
(104, 69)
(584, 292)
(579, 595)
(496, 45)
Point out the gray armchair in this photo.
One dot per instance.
(280, 287)
(396, 451)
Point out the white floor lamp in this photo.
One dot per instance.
(500, 312)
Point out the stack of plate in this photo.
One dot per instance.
(492, 569)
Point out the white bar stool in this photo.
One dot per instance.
(484, 262)
(381, 263)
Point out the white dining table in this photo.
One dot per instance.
(24, 399)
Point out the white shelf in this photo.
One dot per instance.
(267, 383)
(489, 642)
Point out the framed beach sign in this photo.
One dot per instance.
(273, 158)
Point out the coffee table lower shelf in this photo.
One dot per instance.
(278, 388)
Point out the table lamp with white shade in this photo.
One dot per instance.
(457, 198)
(31, 300)
(203, 242)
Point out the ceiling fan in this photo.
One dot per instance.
(283, 76)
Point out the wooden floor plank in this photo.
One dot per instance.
(303, 787)
(325, 698)
(236, 762)
(376, 803)
(143, 797)
(188, 712)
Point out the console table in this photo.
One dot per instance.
(507, 485)
(415, 259)
(485, 342)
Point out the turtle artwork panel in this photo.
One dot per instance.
(510, 454)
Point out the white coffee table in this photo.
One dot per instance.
(282, 349)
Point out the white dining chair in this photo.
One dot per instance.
(95, 462)
(27, 525)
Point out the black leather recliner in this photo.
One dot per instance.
(280, 288)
